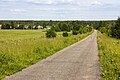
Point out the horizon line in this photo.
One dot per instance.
(57, 19)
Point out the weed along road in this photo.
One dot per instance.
(77, 62)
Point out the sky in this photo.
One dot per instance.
(59, 9)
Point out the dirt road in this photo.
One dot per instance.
(76, 62)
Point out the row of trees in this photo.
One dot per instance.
(34, 24)
(65, 28)
(111, 29)
(56, 25)
(68, 27)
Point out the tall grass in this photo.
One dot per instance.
(109, 53)
(23, 48)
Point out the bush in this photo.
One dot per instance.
(65, 34)
(74, 32)
(51, 34)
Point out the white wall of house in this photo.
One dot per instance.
(33, 27)
(26, 26)
(48, 27)
(88, 25)
(40, 27)
(18, 25)
(0, 26)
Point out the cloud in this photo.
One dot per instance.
(96, 3)
(58, 10)
(17, 11)
(54, 9)
(9, 0)
(51, 1)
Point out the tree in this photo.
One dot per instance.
(44, 25)
(21, 26)
(109, 29)
(83, 30)
(103, 30)
(5, 26)
(57, 29)
(36, 26)
(30, 27)
(50, 33)
(116, 29)
(64, 27)
(70, 26)
(74, 32)
(76, 26)
(12, 25)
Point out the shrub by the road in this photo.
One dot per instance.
(65, 34)
(50, 33)
(74, 32)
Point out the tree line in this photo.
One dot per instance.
(17, 24)
(112, 30)
(111, 27)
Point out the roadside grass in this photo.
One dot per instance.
(22, 48)
(109, 53)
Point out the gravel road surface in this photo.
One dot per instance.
(77, 62)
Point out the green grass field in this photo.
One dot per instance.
(6, 35)
(22, 48)
(109, 53)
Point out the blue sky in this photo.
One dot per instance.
(59, 9)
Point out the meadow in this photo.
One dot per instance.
(22, 48)
(109, 53)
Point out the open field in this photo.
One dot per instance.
(109, 53)
(22, 48)
(6, 35)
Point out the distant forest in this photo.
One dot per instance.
(17, 24)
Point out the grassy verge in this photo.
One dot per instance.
(109, 53)
(18, 52)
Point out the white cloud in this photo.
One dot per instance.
(58, 10)
(9, 0)
(18, 11)
(55, 9)
(51, 1)
(96, 3)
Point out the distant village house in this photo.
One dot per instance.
(48, 27)
(0, 26)
(88, 25)
(40, 27)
